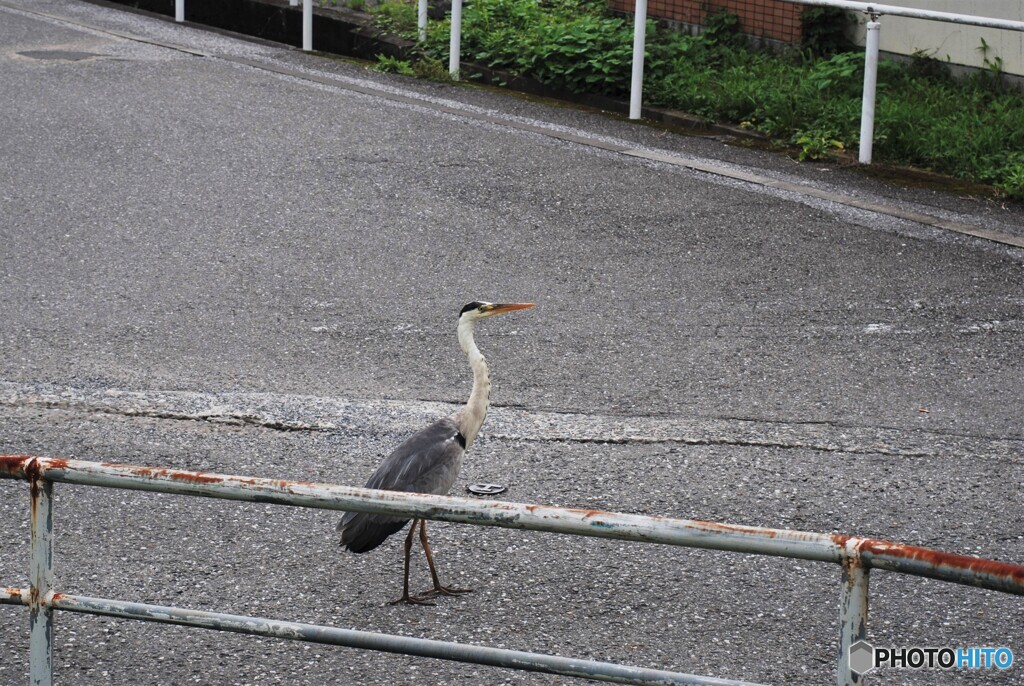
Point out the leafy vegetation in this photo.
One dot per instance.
(824, 30)
(971, 128)
(393, 65)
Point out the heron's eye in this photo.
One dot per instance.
(475, 305)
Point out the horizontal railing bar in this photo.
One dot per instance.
(14, 596)
(443, 650)
(896, 557)
(596, 523)
(917, 13)
(934, 564)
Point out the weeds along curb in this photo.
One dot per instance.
(478, 73)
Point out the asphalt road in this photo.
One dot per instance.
(224, 255)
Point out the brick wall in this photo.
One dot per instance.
(765, 18)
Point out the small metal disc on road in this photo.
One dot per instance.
(486, 489)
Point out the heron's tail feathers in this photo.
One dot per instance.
(362, 532)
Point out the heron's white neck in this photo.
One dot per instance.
(471, 418)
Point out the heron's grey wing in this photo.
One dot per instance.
(426, 462)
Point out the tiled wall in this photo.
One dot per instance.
(767, 18)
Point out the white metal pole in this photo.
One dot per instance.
(867, 112)
(636, 88)
(307, 25)
(179, 11)
(455, 45)
(421, 20)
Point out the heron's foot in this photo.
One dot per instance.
(444, 590)
(413, 600)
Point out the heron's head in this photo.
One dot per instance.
(481, 310)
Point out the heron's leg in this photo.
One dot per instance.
(406, 598)
(438, 589)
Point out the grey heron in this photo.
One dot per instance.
(429, 461)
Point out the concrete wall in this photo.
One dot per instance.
(955, 42)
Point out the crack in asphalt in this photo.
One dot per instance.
(365, 417)
(736, 443)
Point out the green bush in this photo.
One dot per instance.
(824, 30)
(572, 45)
(393, 65)
(396, 17)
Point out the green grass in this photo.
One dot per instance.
(971, 129)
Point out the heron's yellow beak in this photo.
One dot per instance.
(506, 307)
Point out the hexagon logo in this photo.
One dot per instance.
(862, 657)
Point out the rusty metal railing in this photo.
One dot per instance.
(856, 556)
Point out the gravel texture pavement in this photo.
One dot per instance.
(223, 255)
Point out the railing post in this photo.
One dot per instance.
(853, 611)
(636, 88)
(179, 11)
(867, 112)
(307, 25)
(41, 583)
(455, 42)
(421, 20)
